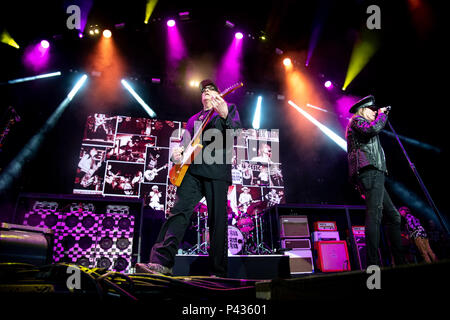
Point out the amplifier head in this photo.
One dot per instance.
(294, 227)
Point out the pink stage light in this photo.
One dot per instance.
(45, 44)
(328, 84)
(171, 23)
(238, 35)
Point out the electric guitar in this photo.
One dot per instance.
(194, 147)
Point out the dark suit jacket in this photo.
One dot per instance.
(217, 144)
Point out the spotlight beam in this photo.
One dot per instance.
(150, 6)
(15, 166)
(41, 76)
(147, 109)
(7, 39)
(333, 136)
(257, 115)
(411, 141)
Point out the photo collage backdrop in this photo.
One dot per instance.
(129, 157)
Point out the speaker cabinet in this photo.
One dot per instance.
(76, 236)
(115, 242)
(85, 237)
(294, 227)
(300, 261)
(296, 244)
(332, 256)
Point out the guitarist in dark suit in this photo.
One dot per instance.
(208, 179)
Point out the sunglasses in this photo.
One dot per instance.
(209, 87)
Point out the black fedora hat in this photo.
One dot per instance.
(207, 82)
(366, 102)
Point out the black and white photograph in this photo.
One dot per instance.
(165, 130)
(156, 165)
(154, 195)
(123, 178)
(260, 173)
(263, 151)
(247, 196)
(90, 169)
(276, 175)
(100, 129)
(246, 172)
(135, 126)
(273, 196)
(130, 148)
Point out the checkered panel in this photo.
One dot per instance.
(170, 197)
(43, 215)
(76, 237)
(115, 242)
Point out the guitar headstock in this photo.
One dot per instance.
(231, 89)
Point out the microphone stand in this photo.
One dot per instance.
(419, 179)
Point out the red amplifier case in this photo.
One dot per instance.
(325, 226)
(333, 256)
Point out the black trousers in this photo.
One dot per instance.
(191, 191)
(371, 183)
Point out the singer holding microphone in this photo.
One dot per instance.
(367, 171)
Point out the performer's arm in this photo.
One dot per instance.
(369, 128)
(232, 121)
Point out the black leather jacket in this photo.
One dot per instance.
(363, 144)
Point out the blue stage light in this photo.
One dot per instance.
(147, 109)
(333, 136)
(257, 116)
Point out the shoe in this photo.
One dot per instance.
(153, 268)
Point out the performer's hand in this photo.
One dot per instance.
(219, 105)
(382, 110)
(177, 154)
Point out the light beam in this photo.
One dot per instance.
(257, 115)
(41, 76)
(14, 168)
(333, 136)
(146, 107)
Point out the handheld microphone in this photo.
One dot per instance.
(388, 108)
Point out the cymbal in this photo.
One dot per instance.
(256, 208)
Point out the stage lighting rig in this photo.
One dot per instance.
(94, 30)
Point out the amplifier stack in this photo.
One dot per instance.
(294, 236)
(331, 252)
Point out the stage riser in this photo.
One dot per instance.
(239, 267)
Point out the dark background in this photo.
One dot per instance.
(405, 72)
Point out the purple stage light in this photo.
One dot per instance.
(80, 35)
(171, 23)
(175, 48)
(36, 56)
(45, 44)
(238, 35)
(229, 69)
(328, 84)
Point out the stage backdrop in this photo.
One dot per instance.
(129, 157)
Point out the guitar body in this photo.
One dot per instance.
(178, 171)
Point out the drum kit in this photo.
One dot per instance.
(245, 233)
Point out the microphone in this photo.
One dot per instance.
(388, 108)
